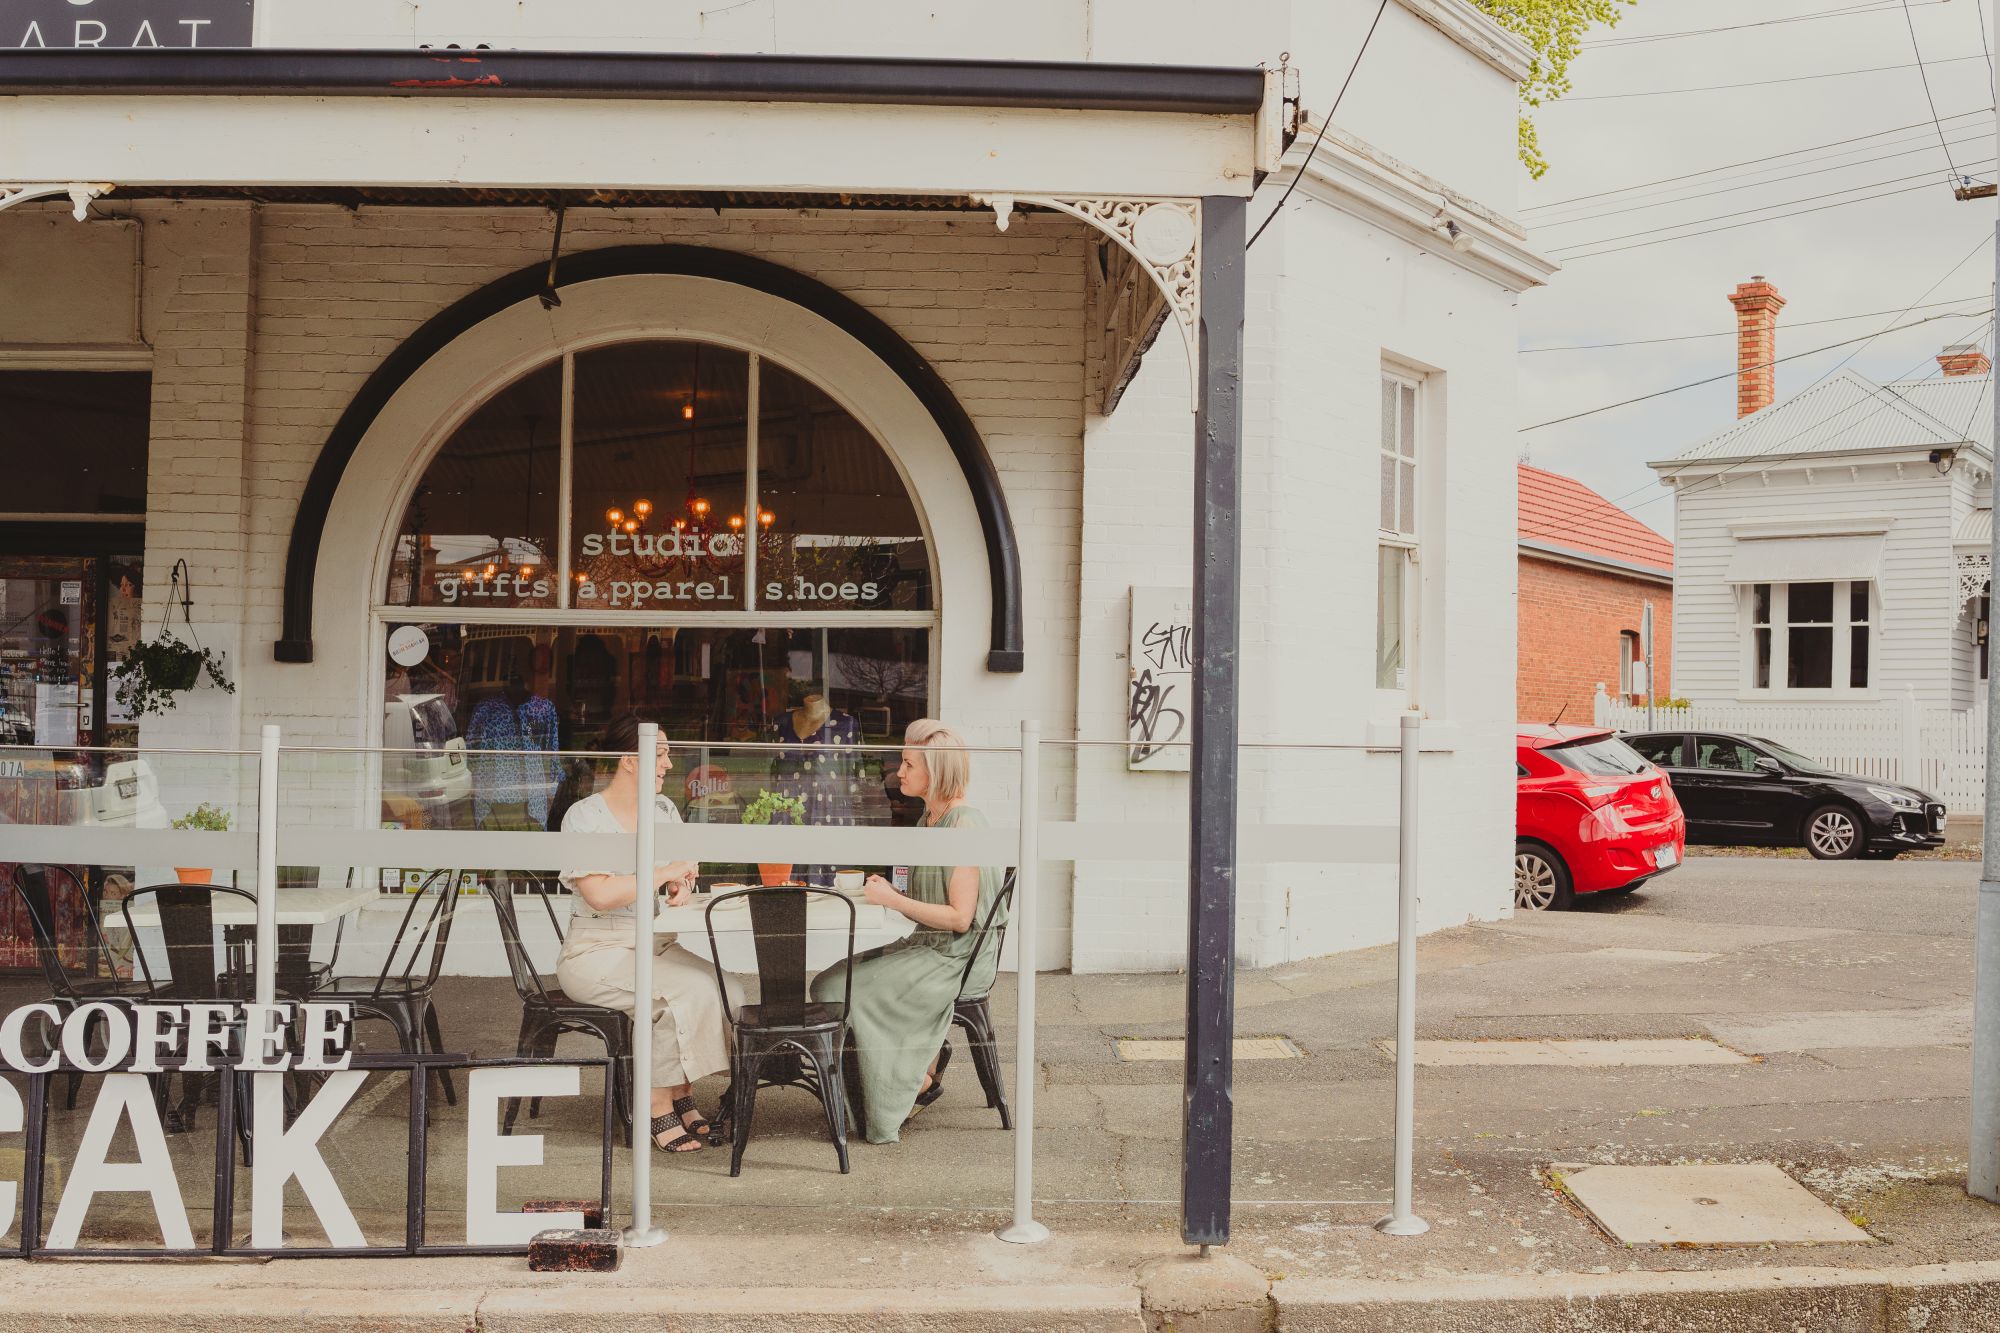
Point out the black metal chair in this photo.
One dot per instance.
(799, 1038)
(195, 970)
(70, 990)
(401, 996)
(975, 1013)
(547, 1013)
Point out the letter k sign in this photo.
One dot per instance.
(283, 1154)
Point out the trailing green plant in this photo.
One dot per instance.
(157, 669)
(205, 817)
(767, 805)
(1555, 29)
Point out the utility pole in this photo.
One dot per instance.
(1983, 1174)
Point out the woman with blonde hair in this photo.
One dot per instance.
(900, 1011)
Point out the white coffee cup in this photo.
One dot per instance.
(848, 881)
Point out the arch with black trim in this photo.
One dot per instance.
(1005, 652)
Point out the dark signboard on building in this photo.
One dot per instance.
(122, 24)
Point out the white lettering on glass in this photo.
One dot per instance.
(285, 1154)
(123, 1097)
(487, 1150)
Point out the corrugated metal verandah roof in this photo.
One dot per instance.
(1975, 530)
(1850, 413)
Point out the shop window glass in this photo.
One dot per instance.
(836, 526)
(659, 510)
(480, 530)
(79, 440)
(487, 708)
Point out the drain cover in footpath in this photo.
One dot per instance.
(1755, 1204)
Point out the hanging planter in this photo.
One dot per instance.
(158, 670)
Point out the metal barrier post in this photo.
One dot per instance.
(642, 1233)
(1401, 1221)
(1025, 1230)
(266, 972)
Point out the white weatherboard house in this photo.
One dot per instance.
(444, 344)
(1831, 565)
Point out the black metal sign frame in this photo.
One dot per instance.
(420, 1066)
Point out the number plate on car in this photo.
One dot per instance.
(128, 788)
(1665, 856)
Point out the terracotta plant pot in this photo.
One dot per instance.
(773, 874)
(189, 875)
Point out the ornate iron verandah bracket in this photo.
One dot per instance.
(80, 194)
(1975, 575)
(1163, 236)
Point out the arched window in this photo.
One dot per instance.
(678, 527)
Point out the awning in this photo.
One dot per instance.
(1805, 559)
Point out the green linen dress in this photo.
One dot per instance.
(903, 992)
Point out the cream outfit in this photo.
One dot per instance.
(690, 1040)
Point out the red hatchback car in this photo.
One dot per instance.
(1591, 815)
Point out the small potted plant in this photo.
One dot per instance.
(208, 819)
(772, 807)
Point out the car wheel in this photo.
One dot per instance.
(1833, 833)
(1541, 880)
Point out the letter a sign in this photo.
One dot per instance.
(111, 25)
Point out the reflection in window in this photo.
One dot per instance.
(657, 517)
(480, 531)
(491, 700)
(838, 528)
(1810, 636)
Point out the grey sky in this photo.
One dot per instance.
(1870, 256)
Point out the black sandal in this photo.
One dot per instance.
(936, 1089)
(687, 1142)
(693, 1121)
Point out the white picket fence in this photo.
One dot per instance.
(1940, 750)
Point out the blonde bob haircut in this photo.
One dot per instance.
(949, 765)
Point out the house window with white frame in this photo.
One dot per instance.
(1628, 658)
(1810, 636)
(1395, 586)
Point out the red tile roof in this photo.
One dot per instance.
(1560, 511)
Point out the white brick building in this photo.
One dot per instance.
(294, 272)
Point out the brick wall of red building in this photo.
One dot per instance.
(1570, 619)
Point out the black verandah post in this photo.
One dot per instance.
(1206, 1111)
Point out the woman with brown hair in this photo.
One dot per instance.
(900, 1011)
(689, 1037)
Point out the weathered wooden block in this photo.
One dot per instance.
(592, 1209)
(592, 1250)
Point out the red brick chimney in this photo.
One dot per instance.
(1964, 359)
(1757, 303)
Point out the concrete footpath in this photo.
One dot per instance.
(1813, 1018)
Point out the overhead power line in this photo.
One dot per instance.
(1874, 7)
(1981, 137)
(1731, 333)
(1740, 212)
(1755, 83)
(1924, 74)
(1751, 161)
(1753, 222)
(1734, 371)
(1325, 121)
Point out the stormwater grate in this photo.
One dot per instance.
(1175, 1049)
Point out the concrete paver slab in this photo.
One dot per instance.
(1753, 1204)
(1651, 955)
(1245, 1048)
(1581, 1053)
(1944, 1025)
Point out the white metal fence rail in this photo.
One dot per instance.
(1940, 750)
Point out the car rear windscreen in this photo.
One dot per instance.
(1603, 757)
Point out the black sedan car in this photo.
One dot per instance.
(1747, 791)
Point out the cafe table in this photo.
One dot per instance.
(299, 910)
(826, 929)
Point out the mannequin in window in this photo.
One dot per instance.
(512, 790)
(818, 766)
